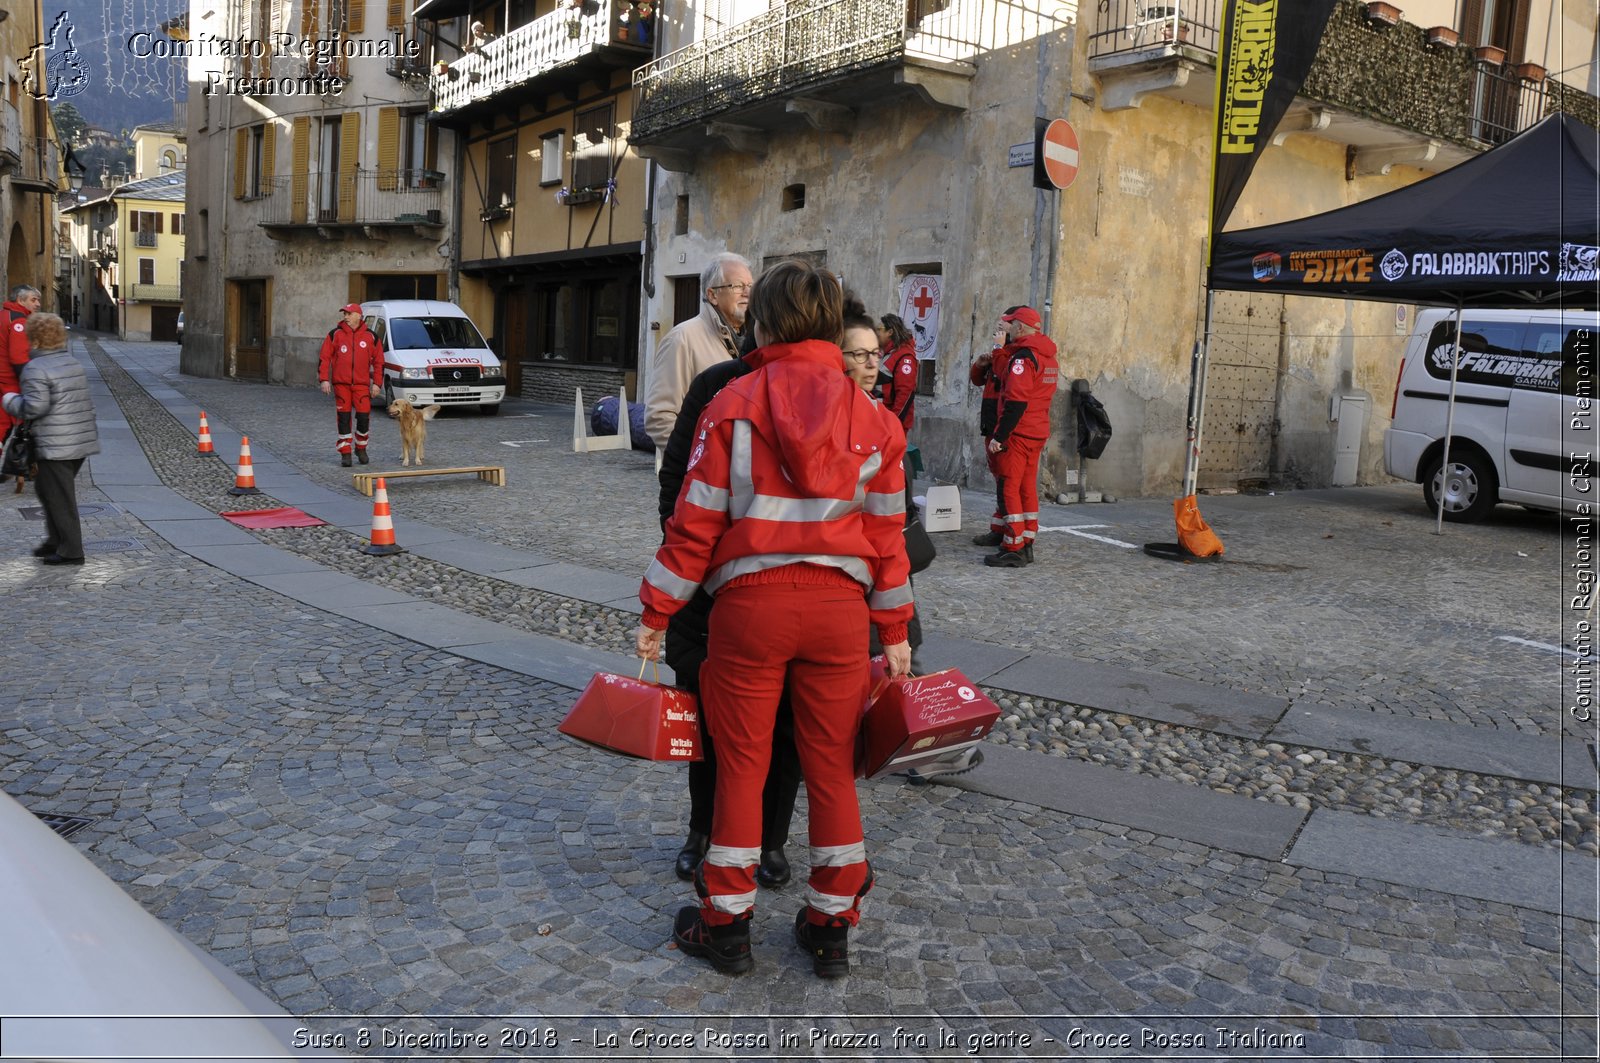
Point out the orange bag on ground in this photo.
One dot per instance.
(1194, 534)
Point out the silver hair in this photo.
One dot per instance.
(716, 270)
(24, 289)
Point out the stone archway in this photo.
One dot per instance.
(19, 261)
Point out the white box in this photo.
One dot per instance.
(942, 510)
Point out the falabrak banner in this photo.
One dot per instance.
(1266, 50)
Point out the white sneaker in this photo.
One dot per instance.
(959, 764)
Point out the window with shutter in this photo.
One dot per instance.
(299, 169)
(388, 148)
(349, 156)
(241, 148)
(269, 167)
(397, 14)
(591, 148)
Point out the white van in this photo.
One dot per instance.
(433, 353)
(1525, 390)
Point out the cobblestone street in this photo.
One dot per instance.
(388, 836)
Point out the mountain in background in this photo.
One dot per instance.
(122, 90)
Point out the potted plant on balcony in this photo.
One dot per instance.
(1529, 72)
(1490, 54)
(1443, 37)
(1380, 14)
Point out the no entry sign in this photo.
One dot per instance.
(1059, 151)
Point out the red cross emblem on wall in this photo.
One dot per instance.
(923, 302)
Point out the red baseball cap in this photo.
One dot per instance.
(350, 308)
(1025, 314)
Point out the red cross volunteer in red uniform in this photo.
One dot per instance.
(24, 301)
(1026, 385)
(790, 514)
(897, 370)
(351, 367)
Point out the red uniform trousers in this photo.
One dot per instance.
(816, 636)
(357, 398)
(1016, 480)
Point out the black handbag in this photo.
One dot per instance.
(20, 453)
(919, 546)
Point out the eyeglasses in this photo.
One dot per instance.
(862, 356)
(740, 288)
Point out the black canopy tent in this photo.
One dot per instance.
(1515, 226)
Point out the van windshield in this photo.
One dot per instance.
(421, 333)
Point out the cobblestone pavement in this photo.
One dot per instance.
(1285, 775)
(376, 832)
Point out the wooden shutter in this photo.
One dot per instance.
(355, 16)
(397, 14)
(157, 215)
(241, 157)
(299, 169)
(1472, 23)
(349, 156)
(269, 144)
(388, 147)
(309, 21)
(1517, 44)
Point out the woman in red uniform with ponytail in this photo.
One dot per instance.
(897, 369)
(790, 515)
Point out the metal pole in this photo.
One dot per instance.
(1198, 369)
(1449, 425)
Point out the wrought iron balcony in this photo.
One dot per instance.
(833, 52)
(144, 238)
(560, 41)
(40, 166)
(1367, 85)
(369, 201)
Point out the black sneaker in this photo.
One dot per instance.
(361, 456)
(44, 549)
(1007, 559)
(344, 459)
(727, 947)
(987, 539)
(828, 944)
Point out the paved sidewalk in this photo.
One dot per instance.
(354, 796)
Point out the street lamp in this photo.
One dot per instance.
(75, 171)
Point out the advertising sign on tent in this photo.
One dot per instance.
(1264, 54)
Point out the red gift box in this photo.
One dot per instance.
(914, 720)
(636, 717)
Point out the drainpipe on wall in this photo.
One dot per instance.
(453, 280)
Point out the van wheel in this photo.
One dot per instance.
(1468, 490)
(488, 409)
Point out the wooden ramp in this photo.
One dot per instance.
(494, 474)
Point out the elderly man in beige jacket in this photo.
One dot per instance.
(709, 337)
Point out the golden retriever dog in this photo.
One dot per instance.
(413, 427)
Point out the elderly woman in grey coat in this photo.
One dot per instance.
(55, 402)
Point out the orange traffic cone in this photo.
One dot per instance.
(205, 436)
(244, 482)
(382, 543)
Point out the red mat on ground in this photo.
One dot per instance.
(286, 517)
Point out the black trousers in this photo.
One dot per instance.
(57, 488)
(686, 652)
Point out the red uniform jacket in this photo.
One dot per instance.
(1026, 387)
(898, 374)
(794, 467)
(16, 347)
(984, 374)
(351, 356)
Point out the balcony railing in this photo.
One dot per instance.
(144, 238)
(548, 42)
(1392, 76)
(796, 46)
(41, 163)
(155, 293)
(359, 197)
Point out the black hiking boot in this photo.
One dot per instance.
(987, 539)
(727, 947)
(828, 944)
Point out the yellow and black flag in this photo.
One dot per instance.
(1265, 53)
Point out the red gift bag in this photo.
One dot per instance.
(636, 717)
(914, 720)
